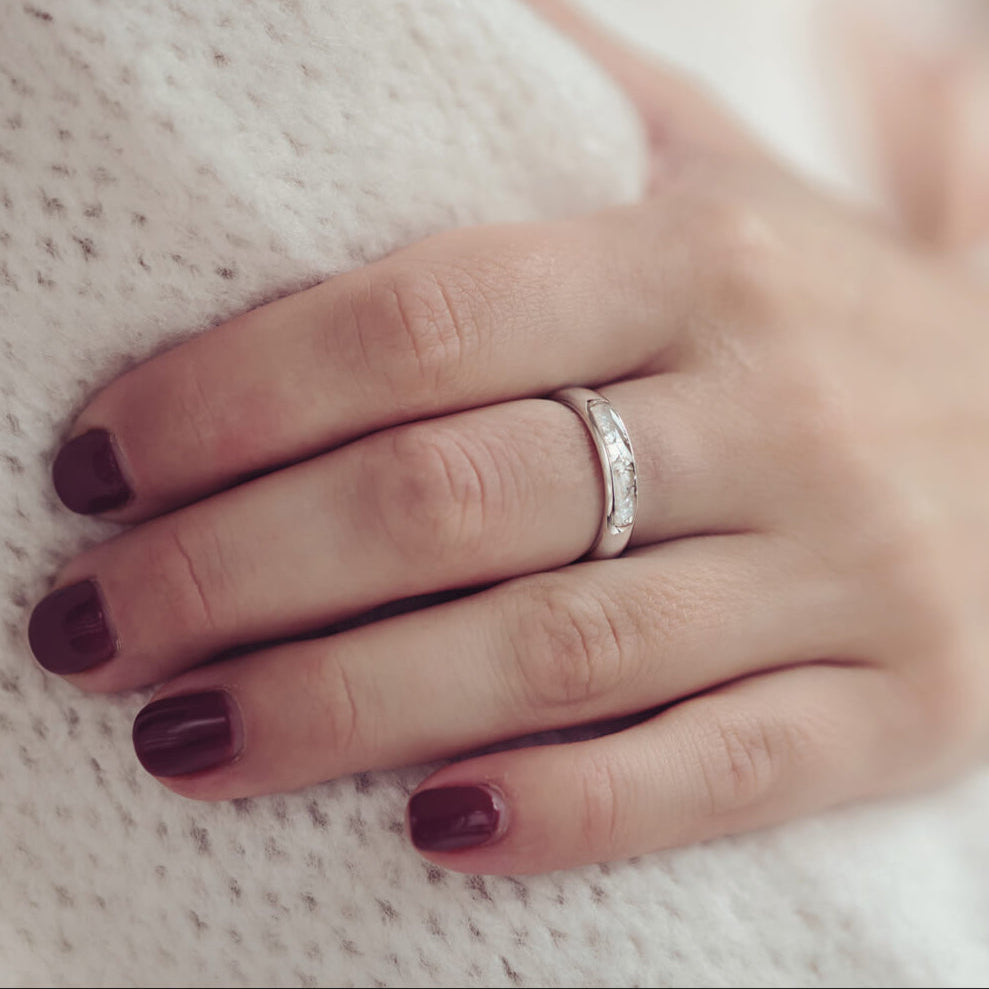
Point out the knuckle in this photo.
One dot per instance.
(742, 257)
(824, 446)
(930, 623)
(906, 561)
(821, 437)
(925, 626)
(569, 646)
(418, 329)
(744, 760)
(918, 603)
(433, 491)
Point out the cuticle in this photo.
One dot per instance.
(123, 465)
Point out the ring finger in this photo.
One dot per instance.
(469, 499)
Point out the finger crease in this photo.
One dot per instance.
(195, 580)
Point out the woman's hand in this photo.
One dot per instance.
(804, 603)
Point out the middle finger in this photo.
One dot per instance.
(461, 501)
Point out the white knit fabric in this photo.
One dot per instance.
(163, 165)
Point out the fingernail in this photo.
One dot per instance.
(449, 818)
(188, 733)
(69, 630)
(87, 474)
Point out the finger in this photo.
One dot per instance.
(464, 319)
(457, 502)
(596, 640)
(676, 112)
(747, 756)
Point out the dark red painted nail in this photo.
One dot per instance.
(188, 733)
(69, 630)
(452, 817)
(87, 474)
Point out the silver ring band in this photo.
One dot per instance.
(614, 450)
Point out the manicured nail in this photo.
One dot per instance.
(87, 474)
(188, 733)
(69, 630)
(452, 817)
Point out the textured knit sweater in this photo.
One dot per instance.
(165, 164)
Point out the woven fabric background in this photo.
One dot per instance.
(164, 165)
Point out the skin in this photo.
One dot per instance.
(802, 618)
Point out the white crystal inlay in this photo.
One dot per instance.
(619, 450)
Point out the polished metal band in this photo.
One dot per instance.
(614, 448)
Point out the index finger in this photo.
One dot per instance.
(463, 319)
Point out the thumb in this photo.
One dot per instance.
(676, 112)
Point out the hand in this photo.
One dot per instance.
(801, 621)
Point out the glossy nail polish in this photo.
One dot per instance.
(70, 630)
(188, 733)
(87, 474)
(449, 818)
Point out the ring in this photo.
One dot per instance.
(617, 468)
